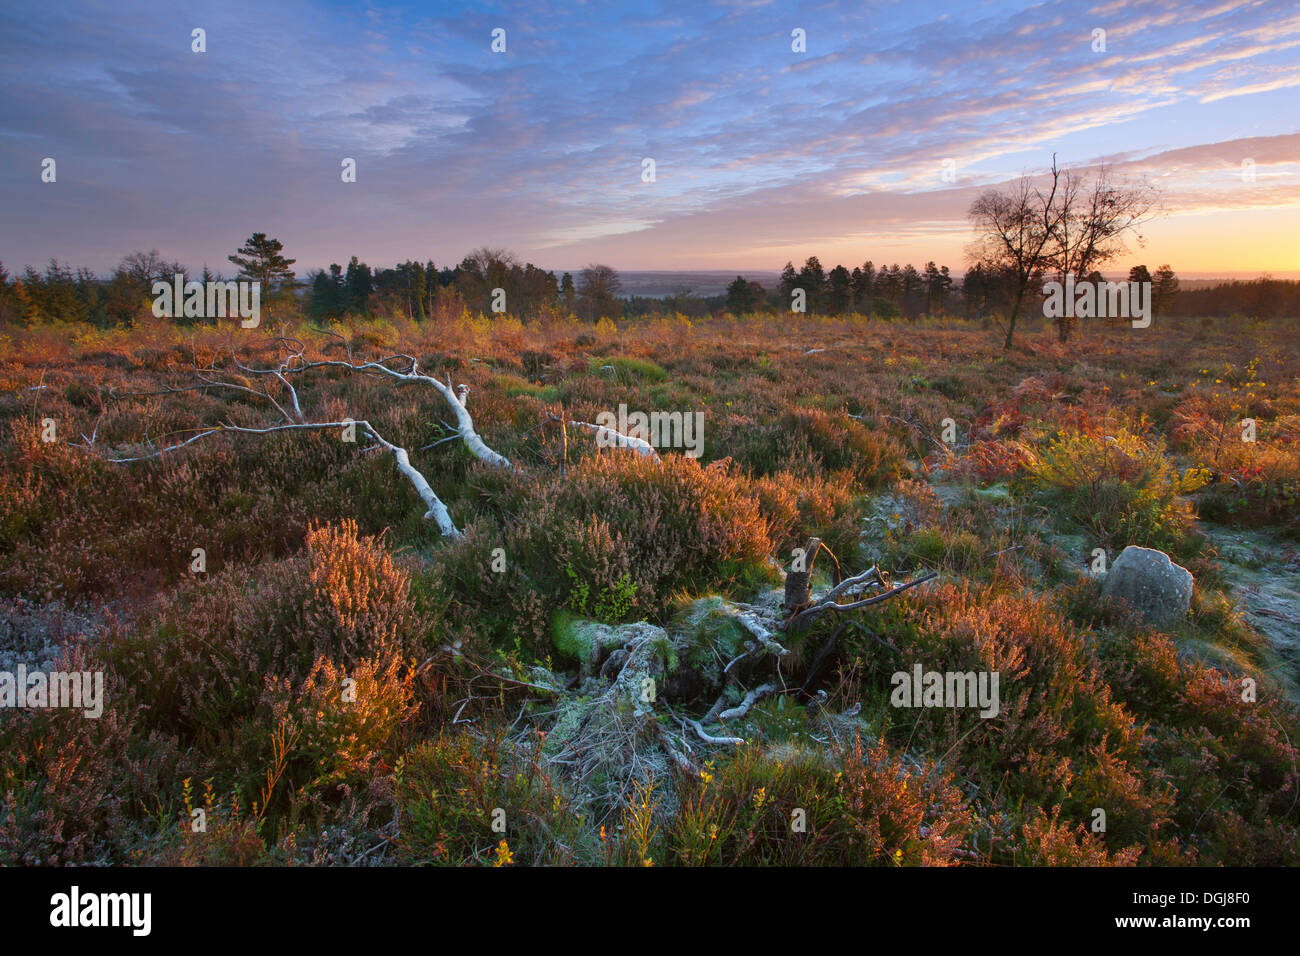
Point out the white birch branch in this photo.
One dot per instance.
(436, 509)
(604, 434)
(464, 422)
(753, 697)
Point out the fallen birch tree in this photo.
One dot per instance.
(294, 365)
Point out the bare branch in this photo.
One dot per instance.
(604, 434)
(465, 423)
(709, 738)
(436, 509)
(753, 697)
(826, 604)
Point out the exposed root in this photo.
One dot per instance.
(753, 697)
(709, 738)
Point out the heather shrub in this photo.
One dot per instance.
(56, 502)
(1258, 486)
(1205, 737)
(1046, 840)
(798, 508)
(623, 523)
(994, 461)
(342, 719)
(1058, 736)
(899, 813)
(230, 836)
(480, 607)
(250, 672)
(1256, 483)
(614, 538)
(338, 598)
(809, 440)
(77, 790)
(1049, 688)
(449, 792)
(856, 808)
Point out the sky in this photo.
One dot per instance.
(870, 143)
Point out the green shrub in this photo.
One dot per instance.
(1120, 487)
(629, 371)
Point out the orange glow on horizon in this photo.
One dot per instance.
(1240, 241)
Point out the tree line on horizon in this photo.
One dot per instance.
(417, 289)
(421, 290)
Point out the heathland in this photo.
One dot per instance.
(301, 667)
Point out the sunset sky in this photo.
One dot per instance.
(763, 154)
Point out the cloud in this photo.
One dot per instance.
(758, 149)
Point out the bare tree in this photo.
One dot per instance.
(1014, 233)
(1093, 217)
(144, 268)
(483, 270)
(598, 289)
(484, 258)
(1070, 229)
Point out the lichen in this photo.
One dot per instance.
(708, 633)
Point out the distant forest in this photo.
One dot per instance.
(493, 281)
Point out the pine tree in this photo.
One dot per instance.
(864, 281)
(1164, 286)
(741, 298)
(357, 288)
(812, 279)
(839, 297)
(1139, 274)
(937, 283)
(431, 286)
(788, 283)
(324, 302)
(416, 278)
(260, 260)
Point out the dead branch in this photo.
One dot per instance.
(604, 434)
(764, 637)
(464, 422)
(436, 509)
(667, 743)
(752, 698)
(709, 738)
(827, 602)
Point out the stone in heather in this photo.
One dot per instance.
(1156, 588)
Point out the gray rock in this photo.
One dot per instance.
(1156, 588)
